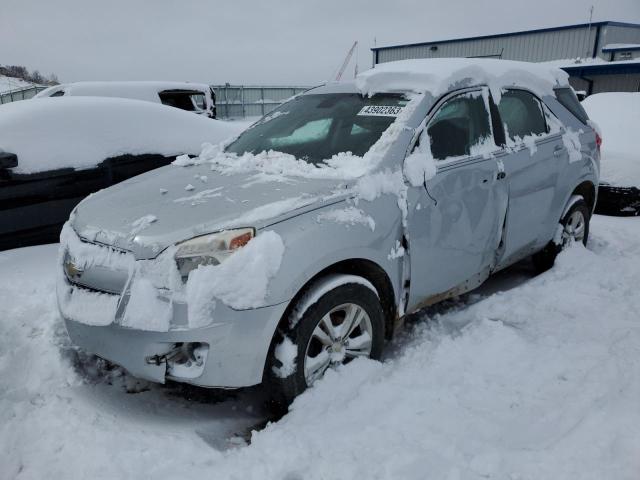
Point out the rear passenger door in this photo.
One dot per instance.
(533, 158)
(455, 220)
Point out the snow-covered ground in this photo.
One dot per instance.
(11, 83)
(528, 378)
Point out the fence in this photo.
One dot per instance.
(232, 101)
(241, 101)
(23, 93)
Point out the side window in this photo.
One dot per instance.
(568, 99)
(521, 114)
(459, 125)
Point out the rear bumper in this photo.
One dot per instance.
(238, 344)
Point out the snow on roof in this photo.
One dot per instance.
(147, 90)
(438, 75)
(612, 47)
(80, 132)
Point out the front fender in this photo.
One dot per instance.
(315, 241)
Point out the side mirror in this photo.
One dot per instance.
(8, 160)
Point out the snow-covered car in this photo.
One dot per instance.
(55, 152)
(327, 221)
(193, 97)
(617, 115)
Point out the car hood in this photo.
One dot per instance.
(153, 211)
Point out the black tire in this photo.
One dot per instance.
(282, 391)
(544, 259)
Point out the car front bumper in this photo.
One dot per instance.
(238, 343)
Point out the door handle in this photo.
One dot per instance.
(500, 175)
(559, 150)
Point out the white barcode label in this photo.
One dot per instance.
(380, 111)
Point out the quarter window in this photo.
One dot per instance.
(459, 125)
(521, 114)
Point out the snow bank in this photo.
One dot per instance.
(437, 75)
(618, 117)
(12, 83)
(539, 381)
(80, 132)
(240, 282)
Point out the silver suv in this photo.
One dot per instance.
(298, 245)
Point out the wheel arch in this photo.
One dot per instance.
(361, 267)
(588, 191)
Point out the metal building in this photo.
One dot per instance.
(600, 56)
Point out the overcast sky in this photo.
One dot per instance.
(254, 42)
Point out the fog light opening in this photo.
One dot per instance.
(187, 360)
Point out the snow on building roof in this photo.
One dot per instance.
(438, 75)
(616, 47)
(80, 132)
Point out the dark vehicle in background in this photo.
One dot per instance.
(55, 152)
(193, 97)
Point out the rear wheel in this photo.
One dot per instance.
(345, 323)
(575, 228)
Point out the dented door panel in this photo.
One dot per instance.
(455, 228)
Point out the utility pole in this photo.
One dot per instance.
(588, 51)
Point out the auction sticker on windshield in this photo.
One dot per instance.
(380, 111)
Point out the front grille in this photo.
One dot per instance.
(98, 268)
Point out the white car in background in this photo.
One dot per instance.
(617, 114)
(194, 97)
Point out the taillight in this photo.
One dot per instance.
(598, 141)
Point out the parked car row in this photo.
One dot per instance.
(297, 246)
(56, 151)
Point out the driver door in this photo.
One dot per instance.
(456, 218)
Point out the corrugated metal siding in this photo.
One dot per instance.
(239, 101)
(617, 34)
(616, 83)
(532, 47)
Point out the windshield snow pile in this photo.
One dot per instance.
(279, 165)
(438, 75)
(80, 132)
(618, 116)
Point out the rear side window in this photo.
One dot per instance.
(521, 114)
(191, 101)
(460, 124)
(568, 99)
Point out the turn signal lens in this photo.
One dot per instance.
(240, 241)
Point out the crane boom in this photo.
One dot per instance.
(346, 61)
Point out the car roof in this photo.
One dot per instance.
(141, 90)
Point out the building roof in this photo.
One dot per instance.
(606, 68)
(621, 47)
(521, 32)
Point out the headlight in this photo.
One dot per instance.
(210, 249)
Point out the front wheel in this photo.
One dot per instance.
(575, 228)
(345, 323)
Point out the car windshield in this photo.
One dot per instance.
(315, 127)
